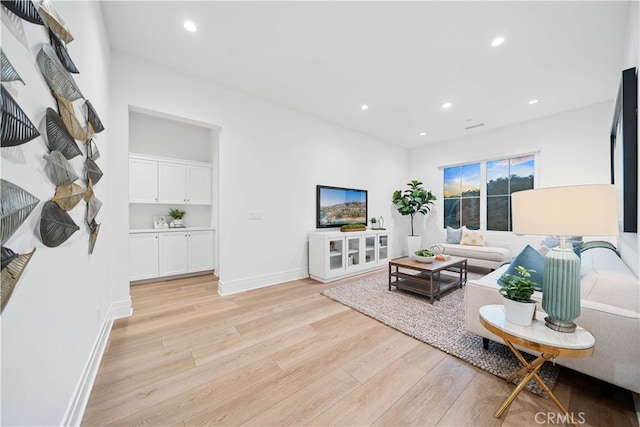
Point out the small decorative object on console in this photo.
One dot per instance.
(177, 215)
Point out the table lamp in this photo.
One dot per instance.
(581, 210)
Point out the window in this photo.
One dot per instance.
(462, 196)
(505, 177)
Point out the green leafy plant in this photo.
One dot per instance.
(518, 288)
(413, 200)
(425, 252)
(177, 213)
(374, 220)
(353, 227)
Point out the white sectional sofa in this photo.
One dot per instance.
(492, 255)
(610, 310)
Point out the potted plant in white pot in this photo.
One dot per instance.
(177, 215)
(519, 308)
(411, 201)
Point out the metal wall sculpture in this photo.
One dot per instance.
(56, 24)
(56, 226)
(11, 274)
(25, 10)
(58, 79)
(17, 204)
(62, 53)
(75, 120)
(58, 169)
(9, 73)
(17, 128)
(58, 137)
(68, 196)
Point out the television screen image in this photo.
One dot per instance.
(336, 206)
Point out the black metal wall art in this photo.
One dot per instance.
(56, 226)
(25, 10)
(58, 137)
(16, 206)
(17, 128)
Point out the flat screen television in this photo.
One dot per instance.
(337, 206)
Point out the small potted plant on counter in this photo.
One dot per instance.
(519, 308)
(177, 215)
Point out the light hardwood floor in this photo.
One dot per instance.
(286, 355)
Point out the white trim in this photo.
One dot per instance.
(241, 285)
(75, 411)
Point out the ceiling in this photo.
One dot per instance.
(402, 59)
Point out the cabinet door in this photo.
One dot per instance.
(143, 256)
(336, 255)
(172, 183)
(383, 247)
(369, 250)
(200, 250)
(173, 253)
(199, 185)
(143, 181)
(354, 255)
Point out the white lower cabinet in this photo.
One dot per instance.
(334, 254)
(143, 250)
(170, 253)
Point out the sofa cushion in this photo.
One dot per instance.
(453, 235)
(489, 253)
(530, 259)
(471, 237)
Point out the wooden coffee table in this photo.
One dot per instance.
(427, 279)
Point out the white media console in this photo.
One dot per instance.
(336, 254)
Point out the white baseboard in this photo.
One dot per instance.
(241, 285)
(75, 410)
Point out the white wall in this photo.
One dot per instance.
(270, 158)
(572, 147)
(61, 306)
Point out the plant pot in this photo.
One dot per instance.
(178, 223)
(519, 313)
(413, 245)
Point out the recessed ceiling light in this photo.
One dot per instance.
(190, 26)
(423, 133)
(533, 101)
(364, 107)
(497, 41)
(447, 105)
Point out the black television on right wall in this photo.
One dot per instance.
(624, 151)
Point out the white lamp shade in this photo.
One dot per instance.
(580, 210)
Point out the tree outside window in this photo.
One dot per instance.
(505, 177)
(462, 196)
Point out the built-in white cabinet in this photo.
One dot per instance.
(170, 252)
(143, 253)
(334, 254)
(168, 181)
(143, 180)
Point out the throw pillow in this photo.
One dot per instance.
(553, 241)
(453, 235)
(471, 237)
(530, 259)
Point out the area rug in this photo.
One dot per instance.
(440, 325)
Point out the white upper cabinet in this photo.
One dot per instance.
(143, 181)
(198, 185)
(172, 183)
(169, 181)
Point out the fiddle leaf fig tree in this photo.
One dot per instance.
(413, 200)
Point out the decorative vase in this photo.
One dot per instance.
(519, 313)
(413, 245)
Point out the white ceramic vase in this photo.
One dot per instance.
(413, 245)
(519, 313)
